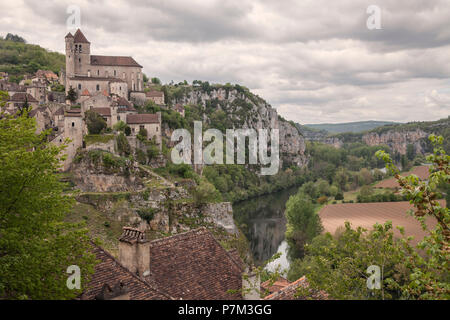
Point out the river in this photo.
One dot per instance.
(264, 224)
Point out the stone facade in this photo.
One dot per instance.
(110, 74)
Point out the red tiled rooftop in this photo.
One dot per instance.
(103, 111)
(142, 118)
(289, 292)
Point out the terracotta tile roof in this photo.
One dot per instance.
(59, 112)
(421, 171)
(103, 111)
(73, 113)
(114, 61)
(193, 265)
(366, 215)
(142, 118)
(110, 272)
(79, 37)
(21, 97)
(154, 93)
(276, 286)
(93, 78)
(124, 105)
(289, 292)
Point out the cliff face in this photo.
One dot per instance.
(397, 140)
(244, 110)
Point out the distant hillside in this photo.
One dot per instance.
(358, 126)
(18, 58)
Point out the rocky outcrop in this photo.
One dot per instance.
(397, 140)
(245, 110)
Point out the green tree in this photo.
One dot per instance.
(303, 223)
(205, 192)
(36, 246)
(94, 122)
(71, 95)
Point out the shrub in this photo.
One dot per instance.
(322, 200)
(339, 196)
(95, 123)
(127, 130)
(122, 145)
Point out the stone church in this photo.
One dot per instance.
(109, 75)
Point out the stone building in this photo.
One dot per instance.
(18, 99)
(112, 74)
(150, 122)
(155, 96)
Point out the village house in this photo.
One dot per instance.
(155, 96)
(150, 122)
(47, 76)
(38, 90)
(113, 74)
(18, 99)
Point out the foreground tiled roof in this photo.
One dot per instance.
(421, 171)
(366, 215)
(142, 118)
(290, 291)
(114, 61)
(110, 272)
(22, 96)
(193, 265)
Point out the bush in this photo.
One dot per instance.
(123, 146)
(205, 192)
(127, 130)
(120, 126)
(322, 200)
(339, 196)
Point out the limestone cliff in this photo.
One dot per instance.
(397, 140)
(234, 107)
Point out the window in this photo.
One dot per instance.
(98, 72)
(157, 129)
(114, 72)
(79, 86)
(79, 48)
(73, 124)
(141, 127)
(76, 48)
(118, 118)
(98, 87)
(79, 59)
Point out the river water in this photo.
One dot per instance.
(264, 224)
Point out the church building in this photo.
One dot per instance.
(118, 75)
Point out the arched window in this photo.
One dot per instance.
(79, 48)
(98, 72)
(79, 86)
(98, 87)
(114, 73)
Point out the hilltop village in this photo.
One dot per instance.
(168, 231)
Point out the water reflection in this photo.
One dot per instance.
(264, 224)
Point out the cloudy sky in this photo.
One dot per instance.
(314, 60)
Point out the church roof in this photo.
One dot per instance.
(79, 37)
(114, 61)
(69, 35)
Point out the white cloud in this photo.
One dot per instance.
(314, 60)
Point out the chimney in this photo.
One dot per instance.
(251, 285)
(134, 251)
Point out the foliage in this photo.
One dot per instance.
(123, 146)
(19, 58)
(120, 126)
(303, 223)
(36, 245)
(98, 138)
(94, 122)
(71, 95)
(205, 192)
